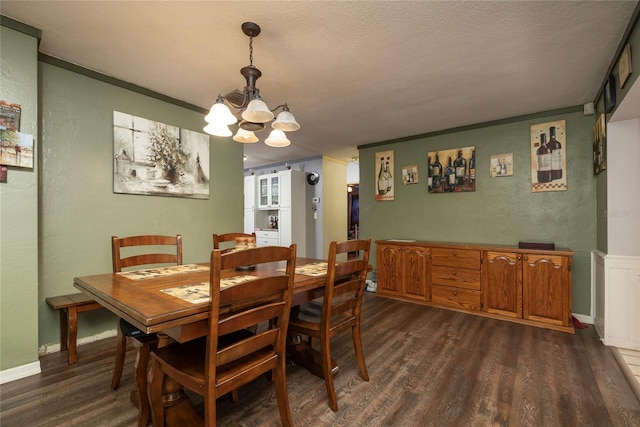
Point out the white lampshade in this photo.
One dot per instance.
(277, 138)
(285, 122)
(245, 136)
(257, 112)
(220, 114)
(217, 129)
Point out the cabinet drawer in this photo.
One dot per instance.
(461, 299)
(456, 277)
(267, 242)
(465, 258)
(267, 234)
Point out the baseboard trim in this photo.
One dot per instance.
(19, 372)
(52, 348)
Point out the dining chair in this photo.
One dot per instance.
(341, 307)
(146, 250)
(229, 356)
(230, 237)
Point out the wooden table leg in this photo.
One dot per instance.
(178, 409)
(301, 353)
(72, 337)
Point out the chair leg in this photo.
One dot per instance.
(121, 349)
(325, 350)
(357, 344)
(141, 369)
(282, 396)
(235, 396)
(154, 384)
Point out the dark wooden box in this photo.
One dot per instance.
(546, 246)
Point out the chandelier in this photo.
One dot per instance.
(252, 108)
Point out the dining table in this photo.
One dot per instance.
(174, 302)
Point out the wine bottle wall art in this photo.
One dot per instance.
(452, 170)
(548, 157)
(384, 176)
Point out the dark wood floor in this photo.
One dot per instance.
(428, 367)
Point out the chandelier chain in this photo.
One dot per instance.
(251, 51)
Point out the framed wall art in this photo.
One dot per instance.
(10, 115)
(452, 171)
(410, 174)
(624, 65)
(548, 157)
(610, 94)
(384, 176)
(501, 165)
(16, 148)
(599, 145)
(157, 159)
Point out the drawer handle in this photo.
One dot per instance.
(455, 293)
(455, 253)
(454, 273)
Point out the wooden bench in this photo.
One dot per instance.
(70, 306)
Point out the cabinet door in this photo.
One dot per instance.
(263, 188)
(249, 221)
(502, 284)
(274, 191)
(285, 189)
(285, 228)
(249, 192)
(545, 288)
(415, 272)
(389, 270)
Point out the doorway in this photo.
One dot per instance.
(353, 211)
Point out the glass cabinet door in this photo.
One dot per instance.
(275, 191)
(264, 192)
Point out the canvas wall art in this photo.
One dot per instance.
(599, 145)
(157, 159)
(16, 148)
(548, 156)
(384, 176)
(452, 171)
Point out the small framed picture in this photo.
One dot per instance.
(501, 165)
(624, 65)
(610, 94)
(410, 174)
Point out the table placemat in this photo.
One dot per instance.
(151, 273)
(198, 293)
(313, 269)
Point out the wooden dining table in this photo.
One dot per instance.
(174, 301)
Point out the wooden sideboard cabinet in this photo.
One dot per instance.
(520, 285)
(403, 271)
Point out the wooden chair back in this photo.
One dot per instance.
(265, 299)
(165, 250)
(230, 237)
(345, 283)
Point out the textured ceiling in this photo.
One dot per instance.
(353, 72)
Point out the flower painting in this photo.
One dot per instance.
(156, 159)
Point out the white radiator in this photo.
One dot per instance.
(616, 281)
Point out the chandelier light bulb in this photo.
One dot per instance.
(220, 114)
(285, 121)
(277, 138)
(217, 129)
(245, 136)
(257, 112)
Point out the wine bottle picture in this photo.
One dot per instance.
(437, 174)
(430, 175)
(460, 167)
(382, 182)
(556, 154)
(449, 177)
(543, 155)
(472, 167)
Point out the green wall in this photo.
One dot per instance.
(19, 209)
(502, 210)
(79, 211)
